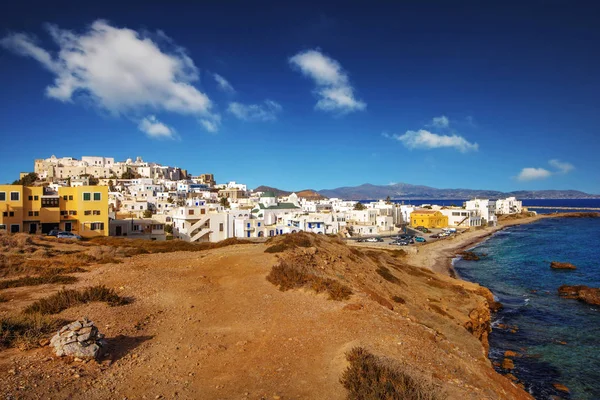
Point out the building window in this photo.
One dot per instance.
(99, 226)
(36, 213)
(65, 197)
(30, 197)
(11, 213)
(72, 212)
(2, 196)
(63, 213)
(15, 228)
(87, 196)
(87, 212)
(70, 197)
(221, 227)
(190, 212)
(97, 196)
(14, 196)
(30, 213)
(5, 214)
(96, 212)
(36, 198)
(2, 227)
(50, 202)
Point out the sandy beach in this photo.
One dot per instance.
(437, 256)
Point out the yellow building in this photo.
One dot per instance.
(428, 219)
(34, 209)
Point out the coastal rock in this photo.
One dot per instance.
(508, 364)
(511, 354)
(562, 265)
(79, 339)
(469, 256)
(580, 292)
(561, 387)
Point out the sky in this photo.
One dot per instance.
(298, 95)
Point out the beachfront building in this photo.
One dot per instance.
(428, 219)
(34, 209)
(510, 205)
(486, 209)
(148, 229)
(208, 223)
(461, 218)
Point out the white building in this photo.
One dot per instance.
(462, 218)
(510, 205)
(486, 209)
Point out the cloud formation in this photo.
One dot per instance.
(424, 139)
(224, 84)
(440, 122)
(155, 129)
(121, 70)
(265, 111)
(529, 174)
(333, 86)
(562, 167)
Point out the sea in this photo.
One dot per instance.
(559, 339)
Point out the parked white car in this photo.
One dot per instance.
(68, 235)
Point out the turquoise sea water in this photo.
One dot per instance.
(517, 270)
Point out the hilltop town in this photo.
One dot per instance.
(98, 196)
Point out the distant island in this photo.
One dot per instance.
(406, 191)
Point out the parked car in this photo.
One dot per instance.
(420, 239)
(374, 240)
(400, 243)
(68, 235)
(54, 232)
(422, 229)
(434, 236)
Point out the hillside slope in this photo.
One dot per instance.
(208, 324)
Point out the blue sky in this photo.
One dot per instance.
(298, 95)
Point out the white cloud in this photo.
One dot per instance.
(529, 174)
(266, 111)
(440, 122)
(121, 70)
(423, 139)
(333, 86)
(224, 84)
(210, 126)
(562, 167)
(154, 128)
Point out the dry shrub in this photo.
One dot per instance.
(399, 300)
(379, 299)
(140, 246)
(25, 331)
(15, 240)
(386, 274)
(370, 377)
(67, 298)
(103, 254)
(276, 248)
(38, 280)
(3, 299)
(288, 277)
(11, 265)
(291, 241)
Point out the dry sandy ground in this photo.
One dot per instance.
(208, 325)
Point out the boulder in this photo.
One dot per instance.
(561, 387)
(580, 292)
(79, 339)
(508, 364)
(561, 265)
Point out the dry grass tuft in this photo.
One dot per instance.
(130, 247)
(370, 377)
(25, 331)
(386, 274)
(399, 300)
(38, 280)
(15, 241)
(291, 241)
(288, 277)
(67, 298)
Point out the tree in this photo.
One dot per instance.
(129, 174)
(27, 180)
(169, 229)
(224, 201)
(359, 206)
(148, 214)
(111, 185)
(93, 181)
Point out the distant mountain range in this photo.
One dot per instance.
(306, 194)
(405, 191)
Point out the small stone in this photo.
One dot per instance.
(561, 387)
(75, 326)
(44, 342)
(12, 371)
(76, 376)
(508, 364)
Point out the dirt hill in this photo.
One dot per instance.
(254, 321)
